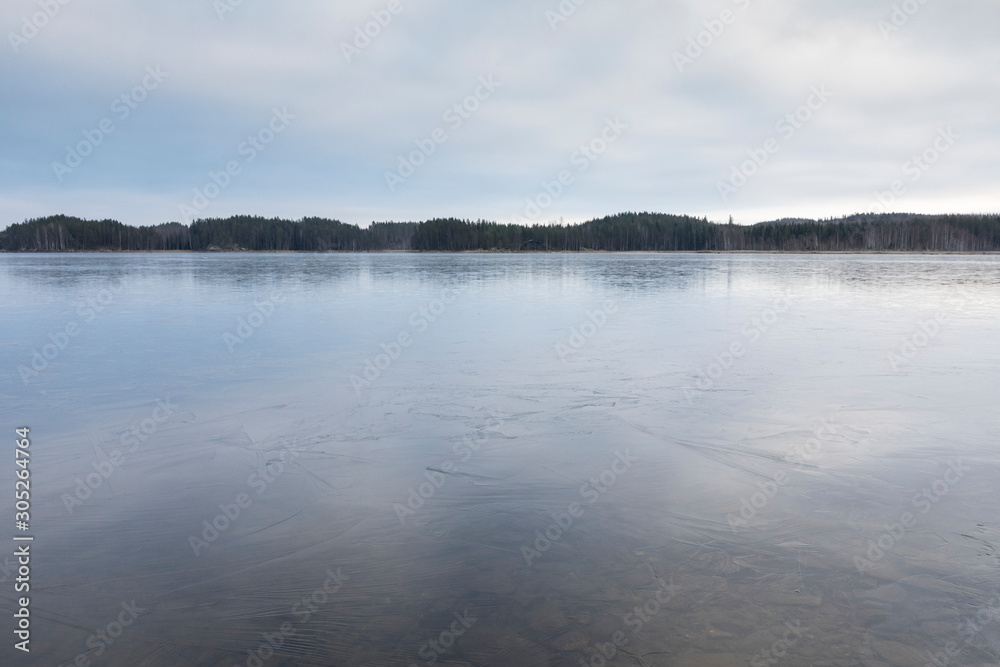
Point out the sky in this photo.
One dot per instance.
(529, 111)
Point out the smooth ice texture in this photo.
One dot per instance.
(505, 459)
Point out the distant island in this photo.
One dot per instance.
(655, 232)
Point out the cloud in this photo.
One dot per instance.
(354, 120)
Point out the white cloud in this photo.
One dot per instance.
(607, 59)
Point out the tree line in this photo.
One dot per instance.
(622, 232)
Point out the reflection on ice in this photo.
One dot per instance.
(734, 468)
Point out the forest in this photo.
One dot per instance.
(656, 232)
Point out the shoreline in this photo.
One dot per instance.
(500, 252)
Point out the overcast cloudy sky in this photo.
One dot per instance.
(151, 112)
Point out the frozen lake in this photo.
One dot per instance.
(505, 459)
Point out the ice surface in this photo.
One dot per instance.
(739, 433)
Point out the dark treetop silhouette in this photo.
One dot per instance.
(625, 231)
